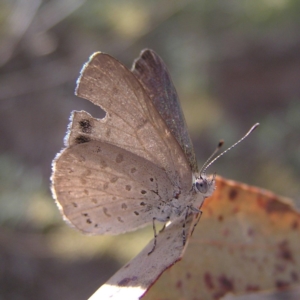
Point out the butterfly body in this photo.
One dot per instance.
(137, 164)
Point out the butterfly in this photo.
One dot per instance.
(135, 166)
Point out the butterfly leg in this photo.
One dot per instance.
(155, 236)
(184, 224)
(197, 221)
(163, 228)
(199, 212)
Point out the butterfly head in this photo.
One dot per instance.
(205, 185)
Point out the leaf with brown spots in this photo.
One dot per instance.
(248, 240)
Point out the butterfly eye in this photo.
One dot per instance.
(201, 185)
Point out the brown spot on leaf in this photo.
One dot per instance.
(295, 225)
(252, 288)
(250, 231)
(179, 284)
(127, 280)
(232, 194)
(284, 251)
(208, 281)
(226, 284)
(280, 284)
(294, 276)
(273, 205)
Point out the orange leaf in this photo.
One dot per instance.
(247, 240)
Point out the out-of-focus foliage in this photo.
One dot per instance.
(234, 63)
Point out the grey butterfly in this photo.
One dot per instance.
(135, 166)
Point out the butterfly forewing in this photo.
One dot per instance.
(153, 75)
(132, 122)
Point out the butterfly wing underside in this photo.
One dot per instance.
(104, 189)
(88, 193)
(153, 75)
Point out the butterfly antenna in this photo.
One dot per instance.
(221, 143)
(206, 166)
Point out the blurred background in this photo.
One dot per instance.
(234, 63)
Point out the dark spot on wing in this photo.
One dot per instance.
(85, 126)
(107, 133)
(114, 179)
(119, 158)
(103, 164)
(105, 210)
(82, 139)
